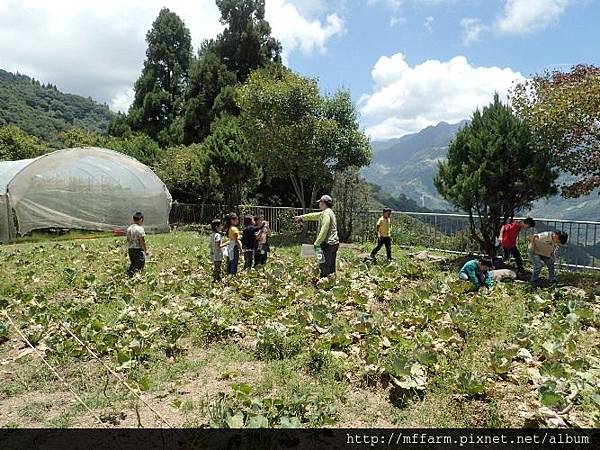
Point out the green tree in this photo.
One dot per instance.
(297, 134)
(209, 94)
(563, 111)
(119, 126)
(246, 43)
(493, 171)
(137, 145)
(15, 144)
(80, 137)
(158, 102)
(352, 196)
(190, 175)
(237, 168)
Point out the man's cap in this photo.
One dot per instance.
(326, 199)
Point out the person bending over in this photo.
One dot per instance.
(476, 271)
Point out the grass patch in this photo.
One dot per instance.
(399, 344)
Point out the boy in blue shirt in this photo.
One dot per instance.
(477, 272)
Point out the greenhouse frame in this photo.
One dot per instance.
(86, 188)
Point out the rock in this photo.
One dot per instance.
(503, 274)
(424, 256)
(524, 354)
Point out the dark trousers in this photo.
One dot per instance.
(217, 271)
(248, 259)
(327, 267)
(387, 241)
(234, 258)
(137, 259)
(261, 255)
(514, 252)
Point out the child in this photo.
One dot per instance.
(477, 272)
(249, 241)
(262, 242)
(216, 248)
(543, 247)
(508, 239)
(136, 240)
(383, 230)
(234, 247)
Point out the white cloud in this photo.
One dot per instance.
(97, 48)
(429, 24)
(394, 20)
(406, 99)
(472, 29)
(528, 16)
(296, 32)
(121, 99)
(394, 5)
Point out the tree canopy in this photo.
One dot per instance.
(296, 133)
(246, 43)
(157, 105)
(563, 112)
(209, 94)
(494, 170)
(15, 144)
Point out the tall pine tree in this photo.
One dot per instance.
(158, 102)
(246, 44)
(494, 170)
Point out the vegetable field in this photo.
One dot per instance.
(388, 345)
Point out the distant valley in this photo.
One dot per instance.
(408, 164)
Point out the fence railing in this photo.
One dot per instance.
(279, 217)
(442, 231)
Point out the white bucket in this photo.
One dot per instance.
(307, 251)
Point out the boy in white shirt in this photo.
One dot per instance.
(216, 248)
(136, 241)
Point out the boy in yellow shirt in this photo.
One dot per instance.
(383, 229)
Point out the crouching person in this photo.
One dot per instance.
(477, 271)
(543, 249)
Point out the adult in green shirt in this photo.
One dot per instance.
(327, 236)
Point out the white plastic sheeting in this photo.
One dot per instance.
(80, 188)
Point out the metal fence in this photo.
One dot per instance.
(280, 218)
(445, 232)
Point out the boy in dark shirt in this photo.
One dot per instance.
(249, 240)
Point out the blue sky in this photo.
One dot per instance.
(408, 63)
(525, 38)
(573, 38)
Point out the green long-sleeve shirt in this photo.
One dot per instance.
(327, 226)
(472, 270)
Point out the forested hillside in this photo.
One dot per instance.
(44, 111)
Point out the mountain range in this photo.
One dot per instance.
(408, 164)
